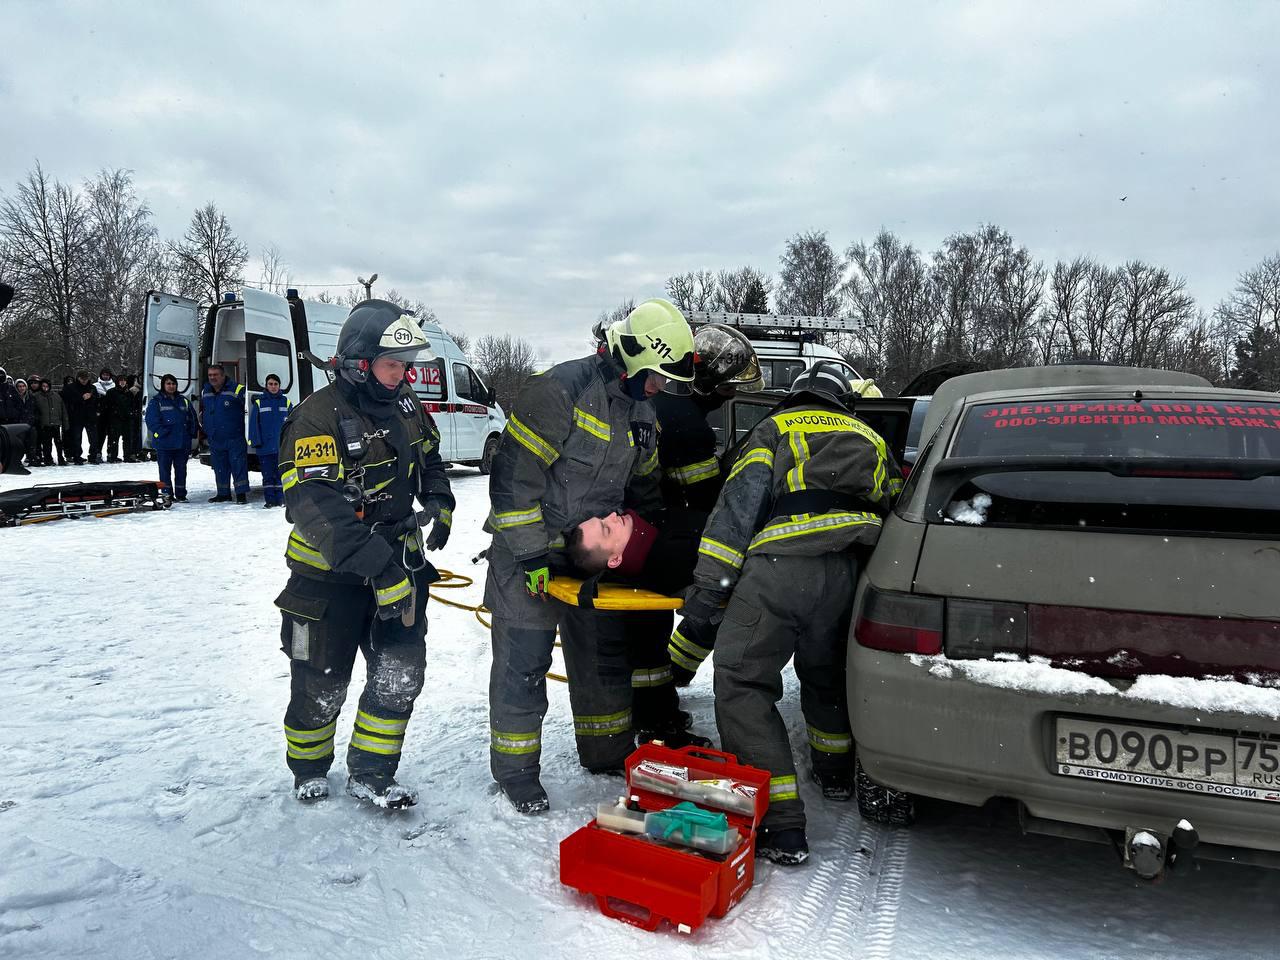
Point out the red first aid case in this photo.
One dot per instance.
(643, 882)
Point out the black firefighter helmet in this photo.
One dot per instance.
(376, 329)
(825, 380)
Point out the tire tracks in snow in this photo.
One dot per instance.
(176, 867)
(850, 907)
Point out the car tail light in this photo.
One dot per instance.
(900, 622)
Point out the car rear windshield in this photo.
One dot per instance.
(1156, 463)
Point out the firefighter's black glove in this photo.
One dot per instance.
(393, 590)
(701, 606)
(441, 518)
(537, 576)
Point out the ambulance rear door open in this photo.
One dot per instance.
(258, 337)
(172, 345)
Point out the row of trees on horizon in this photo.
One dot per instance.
(83, 256)
(982, 297)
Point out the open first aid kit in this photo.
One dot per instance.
(679, 847)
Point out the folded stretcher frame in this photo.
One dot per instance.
(40, 504)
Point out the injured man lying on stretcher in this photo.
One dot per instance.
(658, 556)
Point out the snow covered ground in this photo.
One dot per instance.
(145, 810)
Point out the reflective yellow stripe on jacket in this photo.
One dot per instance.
(301, 550)
(787, 528)
(515, 518)
(694, 472)
(531, 441)
(593, 425)
(760, 455)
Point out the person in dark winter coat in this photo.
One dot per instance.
(26, 409)
(82, 399)
(171, 422)
(222, 419)
(51, 423)
(10, 407)
(267, 412)
(105, 383)
(137, 403)
(119, 411)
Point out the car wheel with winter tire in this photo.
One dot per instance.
(490, 450)
(881, 804)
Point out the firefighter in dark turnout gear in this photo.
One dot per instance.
(811, 484)
(580, 442)
(726, 364)
(353, 457)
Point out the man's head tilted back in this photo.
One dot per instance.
(597, 543)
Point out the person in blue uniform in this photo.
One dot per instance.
(267, 412)
(171, 423)
(222, 419)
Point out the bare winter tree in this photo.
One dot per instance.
(866, 293)
(810, 276)
(745, 290)
(1154, 309)
(45, 230)
(1090, 339)
(890, 292)
(692, 291)
(275, 276)
(124, 261)
(210, 258)
(1247, 326)
(1009, 325)
(1062, 311)
(505, 363)
(1193, 350)
(463, 340)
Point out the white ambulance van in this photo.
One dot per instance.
(256, 333)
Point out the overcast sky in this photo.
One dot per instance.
(522, 166)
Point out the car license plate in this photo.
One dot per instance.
(1209, 763)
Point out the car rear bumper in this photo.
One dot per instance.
(956, 739)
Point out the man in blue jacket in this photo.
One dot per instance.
(222, 419)
(266, 418)
(171, 422)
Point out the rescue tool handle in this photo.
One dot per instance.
(648, 920)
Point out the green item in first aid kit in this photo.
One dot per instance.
(691, 826)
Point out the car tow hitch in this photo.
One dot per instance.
(1148, 852)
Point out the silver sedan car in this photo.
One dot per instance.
(1076, 605)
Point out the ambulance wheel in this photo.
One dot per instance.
(881, 804)
(490, 451)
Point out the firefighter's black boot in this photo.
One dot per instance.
(787, 848)
(526, 795)
(381, 791)
(310, 789)
(835, 784)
